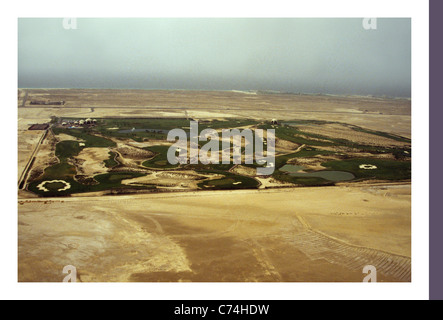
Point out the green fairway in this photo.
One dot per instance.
(160, 160)
(90, 139)
(308, 181)
(107, 181)
(379, 133)
(67, 149)
(229, 181)
(59, 171)
(386, 169)
(156, 129)
(110, 163)
(55, 186)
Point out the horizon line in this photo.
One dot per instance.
(250, 91)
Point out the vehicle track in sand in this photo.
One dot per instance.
(318, 245)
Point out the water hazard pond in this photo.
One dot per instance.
(335, 176)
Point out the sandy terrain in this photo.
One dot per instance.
(89, 161)
(133, 153)
(67, 137)
(311, 163)
(338, 131)
(308, 234)
(130, 154)
(269, 182)
(285, 146)
(27, 141)
(245, 171)
(145, 144)
(186, 180)
(44, 157)
(388, 115)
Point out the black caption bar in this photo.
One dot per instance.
(198, 309)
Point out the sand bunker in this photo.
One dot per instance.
(42, 187)
(245, 171)
(368, 167)
(133, 153)
(89, 161)
(285, 145)
(182, 179)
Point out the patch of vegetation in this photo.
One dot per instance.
(160, 160)
(54, 186)
(114, 179)
(210, 167)
(156, 129)
(228, 182)
(295, 135)
(142, 123)
(225, 124)
(402, 153)
(107, 181)
(60, 171)
(67, 149)
(292, 134)
(90, 139)
(305, 122)
(110, 163)
(350, 126)
(139, 136)
(307, 152)
(386, 169)
(304, 181)
(378, 133)
(281, 161)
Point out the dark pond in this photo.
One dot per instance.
(335, 176)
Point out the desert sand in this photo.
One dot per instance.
(304, 234)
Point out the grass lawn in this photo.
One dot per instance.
(106, 181)
(386, 169)
(160, 160)
(230, 181)
(104, 126)
(110, 163)
(304, 181)
(379, 133)
(67, 149)
(59, 171)
(90, 140)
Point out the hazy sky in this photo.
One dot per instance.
(335, 56)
